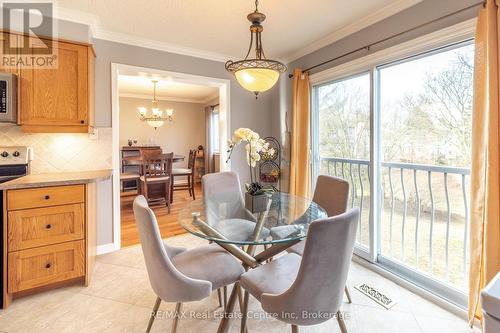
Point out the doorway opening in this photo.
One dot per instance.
(195, 120)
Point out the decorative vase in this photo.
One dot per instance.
(256, 203)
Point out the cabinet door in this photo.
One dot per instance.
(58, 96)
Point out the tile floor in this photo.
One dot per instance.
(120, 299)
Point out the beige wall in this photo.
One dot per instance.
(185, 132)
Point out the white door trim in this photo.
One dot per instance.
(224, 126)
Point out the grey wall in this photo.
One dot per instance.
(423, 12)
(246, 111)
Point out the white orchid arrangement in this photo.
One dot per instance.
(255, 147)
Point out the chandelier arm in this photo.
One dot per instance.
(262, 54)
(250, 47)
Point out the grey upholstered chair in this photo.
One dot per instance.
(178, 275)
(332, 194)
(236, 223)
(291, 286)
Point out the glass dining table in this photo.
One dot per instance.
(223, 219)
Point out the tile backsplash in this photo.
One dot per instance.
(56, 152)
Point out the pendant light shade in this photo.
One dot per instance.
(256, 74)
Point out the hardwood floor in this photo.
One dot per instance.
(169, 226)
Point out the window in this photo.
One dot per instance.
(214, 129)
(399, 131)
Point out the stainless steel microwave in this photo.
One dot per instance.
(8, 98)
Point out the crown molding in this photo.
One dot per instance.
(167, 98)
(211, 97)
(97, 31)
(353, 27)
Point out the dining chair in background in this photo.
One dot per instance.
(223, 189)
(157, 170)
(294, 288)
(178, 275)
(185, 172)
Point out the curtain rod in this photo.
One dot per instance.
(367, 47)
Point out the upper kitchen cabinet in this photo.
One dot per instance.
(13, 41)
(59, 99)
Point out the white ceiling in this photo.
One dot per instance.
(218, 29)
(141, 86)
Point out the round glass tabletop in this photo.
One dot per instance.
(224, 218)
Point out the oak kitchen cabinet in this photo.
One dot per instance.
(60, 99)
(49, 237)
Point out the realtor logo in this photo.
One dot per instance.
(30, 43)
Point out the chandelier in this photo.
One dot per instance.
(155, 119)
(256, 74)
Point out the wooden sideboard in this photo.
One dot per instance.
(49, 237)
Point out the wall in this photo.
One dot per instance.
(186, 131)
(422, 12)
(246, 111)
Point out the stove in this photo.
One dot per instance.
(14, 162)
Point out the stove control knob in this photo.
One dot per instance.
(5, 154)
(16, 154)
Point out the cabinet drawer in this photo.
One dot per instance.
(29, 228)
(44, 265)
(45, 196)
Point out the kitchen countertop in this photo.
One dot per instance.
(57, 179)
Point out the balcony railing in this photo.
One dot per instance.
(424, 214)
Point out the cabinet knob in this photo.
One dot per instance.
(47, 265)
(47, 197)
(82, 121)
(48, 226)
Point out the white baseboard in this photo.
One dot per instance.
(106, 248)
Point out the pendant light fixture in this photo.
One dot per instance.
(256, 74)
(155, 119)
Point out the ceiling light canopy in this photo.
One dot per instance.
(256, 74)
(156, 118)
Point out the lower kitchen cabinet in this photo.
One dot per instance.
(48, 238)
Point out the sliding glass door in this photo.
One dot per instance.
(342, 141)
(400, 134)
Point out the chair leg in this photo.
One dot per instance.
(244, 313)
(219, 297)
(295, 329)
(145, 191)
(340, 320)
(171, 188)
(167, 195)
(175, 323)
(225, 297)
(348, 293)
(192, 188)
(153, 314)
